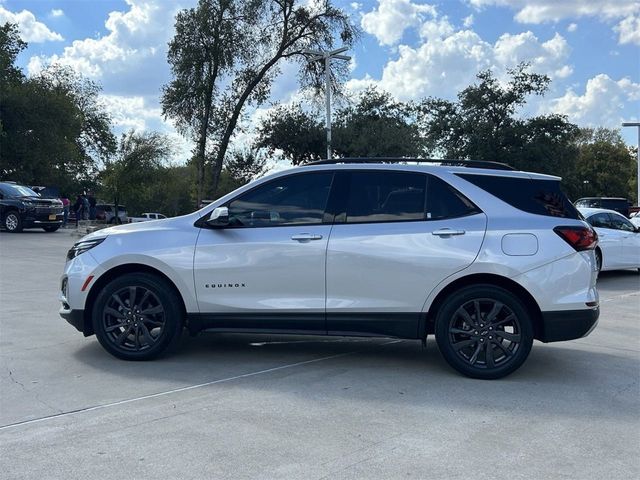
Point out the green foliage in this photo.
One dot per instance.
(606, 163)
(375, 125)
(262, 34)
(55, 131)
(10, 46)
(483, 125)
(299, 135)
(133, 176)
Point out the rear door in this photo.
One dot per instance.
(398, 235)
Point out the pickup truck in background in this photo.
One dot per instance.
(146, 217)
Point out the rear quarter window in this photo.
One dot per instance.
(541, 197)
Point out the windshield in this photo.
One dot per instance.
(18, 191)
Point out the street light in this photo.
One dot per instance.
(637, 125)
(327, 56)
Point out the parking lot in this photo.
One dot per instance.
(256, 406)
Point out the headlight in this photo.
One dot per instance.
(29, 203)
(82, 246)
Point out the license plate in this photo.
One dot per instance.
(52, 217)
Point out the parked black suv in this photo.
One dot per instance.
(620, 205)
(21, 207)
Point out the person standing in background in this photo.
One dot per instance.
(77, 207)
(92, 206)
(65, 210)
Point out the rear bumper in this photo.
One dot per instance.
(568, 324)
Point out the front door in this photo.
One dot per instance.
(266, 270)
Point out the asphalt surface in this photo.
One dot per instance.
(255, 406)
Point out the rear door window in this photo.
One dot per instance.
(541, 197)
(386, 197)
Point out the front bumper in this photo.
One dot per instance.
(568, 324)
(75, 318)
(32, 219)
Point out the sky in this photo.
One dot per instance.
(412, 48)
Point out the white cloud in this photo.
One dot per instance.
(539, 11)
(572, 27)
(468, 21)
(602, 104)
(31, 30)
(57, 12)
(434, 29)
(629, 30)
(444, 65)
(547, 57)
(389, 21)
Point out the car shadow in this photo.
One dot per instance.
(565, 380)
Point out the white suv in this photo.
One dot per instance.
(484, 257)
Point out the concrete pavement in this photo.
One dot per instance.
(255, 406)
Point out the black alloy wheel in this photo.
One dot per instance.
(598, 259)
(137, 317)
(484, 332)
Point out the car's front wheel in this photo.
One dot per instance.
(12, 222)
(138, 316)
(484, 331)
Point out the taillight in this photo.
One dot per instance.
(580, 238)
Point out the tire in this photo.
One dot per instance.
(12, 222)
(146, 336)
(50, 229)
(495, 346)
(599, 259)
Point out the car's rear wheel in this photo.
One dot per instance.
(598, 259)
(484, 331)
(12, 222)
(50, 229)
(138, 316)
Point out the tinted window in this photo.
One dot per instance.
(600, 220)
(443, 201)
(542, 197)
(293, 200)
(386, 197)
(620, 223)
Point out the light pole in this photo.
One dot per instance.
(637, 125)
(327, 56)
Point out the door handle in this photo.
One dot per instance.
(446, 232)
(306, 237)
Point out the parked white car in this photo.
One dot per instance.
(484, 257)
(145, 217)
(618, 239)
(635, 219)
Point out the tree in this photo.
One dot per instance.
(10, 46)
(54, 129)
(482, 125)
(203, 49)
(136, 173)
(375, 125)
(298, 134)
(271, 32)
(606, 163)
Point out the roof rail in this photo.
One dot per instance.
(440, 161)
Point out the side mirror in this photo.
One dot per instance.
(219, 217)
